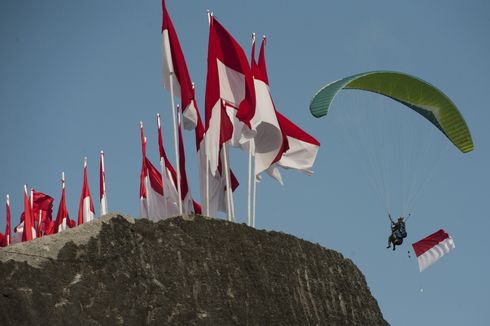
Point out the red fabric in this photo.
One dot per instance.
(85, 194)
(63, 213)
(42, 204)
(178, 60)
(101, 176)
(155, 177)
(420, 247)
(222, 46)
(144, 172)
(27, 234)
(184, 186)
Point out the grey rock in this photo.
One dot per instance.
(181, 271)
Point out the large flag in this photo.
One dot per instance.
(8, 235)
(42, 212)
(269, 141)
(63, 220)
(300, 153)
(174, 62)
(27, 227)
(432, 248)
(103, 197)
(86, 212)
(229, 80)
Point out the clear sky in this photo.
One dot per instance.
(78, 76)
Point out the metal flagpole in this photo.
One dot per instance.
(163, 170)
(254, 191)
(228, 183)
(249, 207)
(176, 141)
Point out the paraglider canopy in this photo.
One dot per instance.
(412, 92)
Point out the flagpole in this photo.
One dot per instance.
(254, 192)
(176, 141)
(163, 169)
(228, 183)
(103, 203)
(7, 233)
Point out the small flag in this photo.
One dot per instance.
(86, 212)
(432, 248)
(103, 197)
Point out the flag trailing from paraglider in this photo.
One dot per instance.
(431, 248)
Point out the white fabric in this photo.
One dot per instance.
(168, 66)
(88, 215)
(212, 138)
(63, 226)
(231, 84)
(155, 202)
(170, 191)
(217, 183)
(20, 230)
(300, 156)
(103, 205)
(268, 140)
(190, 116)
(435, 253)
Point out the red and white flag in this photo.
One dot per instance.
(103, 197)
(269, 141)
(152, 204)
(8, 235)
(174, 62)
(432, 248)
(300, 153)
(42, 212)
(27, 226)
(63, 220)
(171, 192)
(86, 212)
(228, 79)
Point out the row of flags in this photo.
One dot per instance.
(37, 219)
(239, 112)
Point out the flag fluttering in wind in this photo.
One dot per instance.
(42, 212)
(175, 67)
(269, 141)
(152, 202)
(229, 83)
(169, 177)
(431, 248)
(63, 220)
(8, 232)
(103, 197)
(86, 212)
(26, 227)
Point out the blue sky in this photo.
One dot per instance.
(78, 76)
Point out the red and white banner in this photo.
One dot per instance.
(432, 248)
(42, 212)
(86, 212)
(269, 140)
(63, 221)
(300, 154)
(26, 228)
(8, 232)
(144, 180)
(174, 62)
(103, 197)
(229, 79)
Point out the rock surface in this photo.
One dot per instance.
(192, 271)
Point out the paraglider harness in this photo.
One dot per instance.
(398, 231)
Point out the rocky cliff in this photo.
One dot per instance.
(192, 271)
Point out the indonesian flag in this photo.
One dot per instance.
(8, 235)
(86, 212)
(229, 79)
(103, 197)
(26, 227)
(144, 180)
(217, 183)
(42, 211)
(169, 177)
(432, 248)
(269, 141)
(301, 151)
(152, 203)
(174, 62)
(63, 220)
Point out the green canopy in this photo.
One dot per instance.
(413, 92)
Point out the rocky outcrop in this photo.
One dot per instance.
(181, 271)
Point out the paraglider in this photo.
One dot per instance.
(398, 232)
(412, 92)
